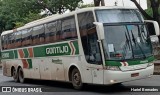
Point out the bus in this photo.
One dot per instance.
(97, 45)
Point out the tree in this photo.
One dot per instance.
(16, 13)
(155, 5)
(12, 11)
(59, 6)
(85, 5)
(98, 2)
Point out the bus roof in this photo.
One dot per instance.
(58, 16)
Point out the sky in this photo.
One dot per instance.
(143, 3)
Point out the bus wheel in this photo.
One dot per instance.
(21, 75)
(15, 75)
(76, 79)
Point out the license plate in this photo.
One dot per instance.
(134, 74)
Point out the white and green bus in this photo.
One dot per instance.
(99, 45)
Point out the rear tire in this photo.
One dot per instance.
(76, 79)
(21, 75)
(15, 75)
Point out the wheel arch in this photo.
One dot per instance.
(12, 67)
(70, 72)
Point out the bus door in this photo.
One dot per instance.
(94, 59)
(94, 66)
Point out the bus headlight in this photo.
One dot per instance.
(150, 64)
(114, 68)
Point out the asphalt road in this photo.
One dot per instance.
(61, 88)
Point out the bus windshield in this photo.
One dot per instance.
(127, 41)
(126, 36)
(118, 15)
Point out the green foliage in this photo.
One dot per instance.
(13, 11)
(85, 5)
(16, 13)
(150, 12)
(30, 17)
(59, 6)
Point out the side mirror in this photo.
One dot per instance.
(153, 27)
(100, 30)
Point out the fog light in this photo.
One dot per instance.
(112, 81)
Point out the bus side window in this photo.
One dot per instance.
(9, 41)
(2, 42)
(50, 33)
(13, 40)
(69, 28)
(29, 37)
(24, 36)
(18, 38)
(89, 38)
(58, 32)
(38, 35)
(5, 41)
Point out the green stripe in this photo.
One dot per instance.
(43, 51)
(29, 63)
(7, 55)
(15, 53)
(130, 62)
(55, 50)
(75, 43)
(26, 54)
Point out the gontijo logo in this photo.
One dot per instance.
(5, 55)
(55, 50)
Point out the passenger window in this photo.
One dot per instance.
(18, 38)
(50, 33)
(29, 37)
(24, 37)
(69, 28)
(38, 35)
(4, 41)
(58, 32)
(89, 38)
(13, 40)
(10, 41)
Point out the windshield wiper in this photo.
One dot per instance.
(125, 46)
(134, 40)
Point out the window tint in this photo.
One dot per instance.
(58, 32)
(69, 28)
(63, 29)
(89, 38)
(50, 33)
(11, 40)
(18, 38)
(29, 37)
(24, 37)
(38, 35)
(4, 41)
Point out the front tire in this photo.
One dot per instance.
(21, 75)
(15, 75)
(76, 79)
